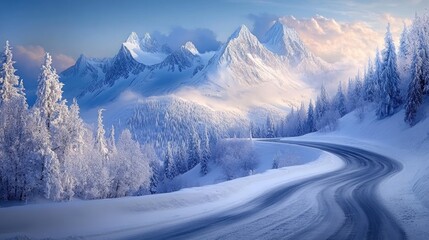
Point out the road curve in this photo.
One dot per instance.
(343, 204)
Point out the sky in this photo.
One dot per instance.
(335, 30)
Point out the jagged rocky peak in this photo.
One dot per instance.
(133, 38)
(149, 44)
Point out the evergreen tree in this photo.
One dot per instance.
(14, 133)
(112, 145)
(404, 54)
(300, 121)
(340, 101)
(311, 125)
(417, 84)
(270, 127)
(100, 139)
(169, 165)
(370, 83)
(194, 149)
(390, 97)
(49, 94)
(205, 158)
(322, 107)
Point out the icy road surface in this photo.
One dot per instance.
(343, 204)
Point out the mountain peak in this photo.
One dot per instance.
(148, 44)
(241, 32)
(190, 47)
(133, 38)
(285, 41)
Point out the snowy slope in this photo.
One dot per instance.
(406, 193)
(243, 77)
(123, 217)
(286, 42)
(245, 72)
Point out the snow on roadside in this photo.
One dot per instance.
(406, 194)
(120, 217)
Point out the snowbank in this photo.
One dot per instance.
(406, 194)
(113, 218)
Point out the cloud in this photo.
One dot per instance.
(344, 43)
(337, 41)
(203, 39)
(261, 23)
(33, 56)
(396, 24)
(28, 62)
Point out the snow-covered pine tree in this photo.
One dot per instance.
(300, 121)
(311, 126)
(133, 172)
(417, 84)
(169, 164)
(404, 55)
(370, 83)
(100, 139)
(194, 149)
(390, 97)
(49, 93)
(14, 133)
(111, 143)
(322, 107)
(270, 127)
(340, 101)
(205, 158)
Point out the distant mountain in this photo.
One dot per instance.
(146, 50)
(285, 42)
(244, 70)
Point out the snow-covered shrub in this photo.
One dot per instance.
(284, 159)
(236, 157)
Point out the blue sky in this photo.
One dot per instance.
(96, 27)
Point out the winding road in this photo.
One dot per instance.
(343, 204)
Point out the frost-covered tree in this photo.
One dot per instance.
(270, 127)
(418, 82)
(340, 101)
(404, 54)
(49, 93)
(390, 97)
(14, 133)
(8, 80)
(194, 149)
(100, 138)
(311, 125)
(205, 158)
(370, 83)
(111, 143)
(169, 164)
(322, 107)
(301, 121)
(132, 167)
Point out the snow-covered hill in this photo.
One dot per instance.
(244, 79)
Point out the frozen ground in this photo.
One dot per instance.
(405, 194)
(129, 216)
(381, 191)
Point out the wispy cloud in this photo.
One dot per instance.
(204, 39)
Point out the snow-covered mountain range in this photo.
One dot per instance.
(246, 75)
(244, 65)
